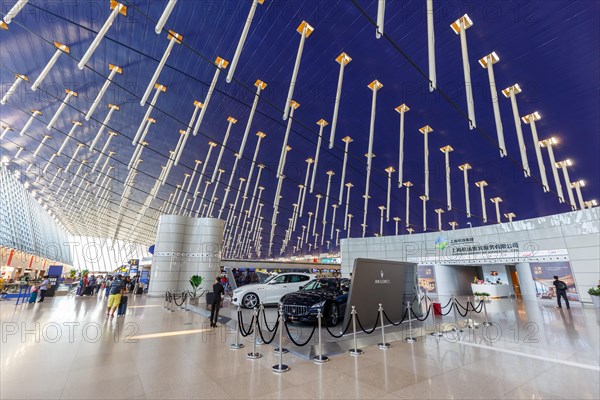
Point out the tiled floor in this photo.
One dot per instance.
(67, 348)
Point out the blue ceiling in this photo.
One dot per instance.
(550, 48)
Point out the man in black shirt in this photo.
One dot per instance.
(216, 302)
(561, 291)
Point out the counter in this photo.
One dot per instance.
(493, 290)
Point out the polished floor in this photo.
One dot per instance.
(66, 348)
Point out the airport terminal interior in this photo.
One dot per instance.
(299, 199)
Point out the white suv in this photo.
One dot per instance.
(251, 295)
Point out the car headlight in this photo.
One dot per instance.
(318, 305)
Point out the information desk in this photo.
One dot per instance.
(493, 290)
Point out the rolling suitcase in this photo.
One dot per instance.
(122, 306)
(33, 297)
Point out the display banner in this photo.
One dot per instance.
(389, 283)
(54, 272)
(543, 278)
(426, 274)
(145, 277)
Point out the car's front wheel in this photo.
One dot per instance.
(250, 300)
(333, 314)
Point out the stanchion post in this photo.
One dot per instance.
(436, 332)
(172, 302)
(254, 354)
(409, 339)
(261, 309)
(279, 349)
(471, 324)
(383, 345)
(187, 301)
(355, 351)
(237, 345)
(457, 327)
(280, 367)
(487, 321)
(320, 358)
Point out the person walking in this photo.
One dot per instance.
(114, 299)
(561, 291)
(43, 287)
(216, 302)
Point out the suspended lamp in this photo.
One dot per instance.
(343, 59)
(305, 30)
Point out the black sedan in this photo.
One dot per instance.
(329, 295)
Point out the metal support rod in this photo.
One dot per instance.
(456, 328)
(280, 367)
(254, 354)
(237, 345)
(487, 321)
(355, 351)
(409, 339)
(320, 358)
(383, 345)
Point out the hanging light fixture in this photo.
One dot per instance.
(343, 59)
(390, 171)
(446, 150)
(113, 71)
(62, 106)
(381, 212)
(396, 224)
(305, 30)
(424, 200)
(221, 64)
(37, 150)
(174, 38)
(52, 157)
(34, 114)
(577, 186)
(459, 27)
(294, 105)
(309, 161)
(104, 149)
(261, 136)
(431, 46)
(159, 88)
(439, 212)
(549, 143)
(117, 8)
(374, 86)
(111, 109)
(530, 119)
(497, 201)
(563, 165)
(69, 135)
(510, 216)
(481, 185)
(197, 106)
(347, 141)
(453, 224)
(322, 123)
(5, 130)
(488, 62)
(510, 93)
(346, 215)
(426, 130)
(243, 36)
(60, 48)
(164, 16)
(335, 207)
(230, 122)
(319, 197)
(74, 156)
(465, 169)
(380, 18)
(407, 185)
(13, 88)
(324, 221)
(16, 9)
(401, 109)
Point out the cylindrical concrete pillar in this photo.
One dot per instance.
(526, 283)
(185, 246)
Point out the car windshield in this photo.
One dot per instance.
(320, 284)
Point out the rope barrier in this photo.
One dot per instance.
(341, 334)
(449, 301)
(243, 331)
(267, 325)
(272, 337)
(466, 309)
(479, 307)
(292, 339)
(458, 310)
(395, 323)
(424, 318)
(449, 310)
(363, 329)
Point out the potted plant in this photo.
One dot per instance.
(195, 282)
(481, 295)
(595, 294)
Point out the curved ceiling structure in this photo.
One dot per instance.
(548, 49)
